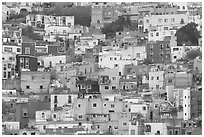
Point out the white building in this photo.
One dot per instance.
(186, 104)
(177, 52)
(8, 63)
(173, 20)
(157, 129)
(156, 79)
(11, 125)
(60, 100)
(158, 33)
(139, 108)
(181, 6)
(51, 61)
(5, 13)
(114, 59)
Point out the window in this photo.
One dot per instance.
(94, 105)
(104, 105)
(183, 7)
(4, 74)
(161, 46)
(172, 32)
(157, 78)
(111, 58)
(64, 31)
(89, 86)
(106, 87)
(69, 99)
(27, 87)
(54, 116)
(157, 34)
(152, 78)
(98, 21)
(113, 78)
(152, 34)
(157, 86)
(166, 28)
(138, 55)
(119, 73)
(182, 21)
(43, 115)
(41, 87)
(80, 116)
(27, 63)
(143, 108)
(156, 105)
(132, 132)
(113, 87)
(18, 50)
(124, 124)
(160, 20)
(25, 112)
(165, 20)
(82, 86)
(79, 105)
(170, 80)
(175, 49)
(147, 21)
(172, 20)
(112, 105)
(27, 50)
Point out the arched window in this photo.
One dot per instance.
(183, 7)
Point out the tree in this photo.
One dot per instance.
(188, 33)
(116, 26)
(192, 54)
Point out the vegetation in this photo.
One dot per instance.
(192, 54)
(116, 26)
(22, 14)
(188, 34)
(30, 33)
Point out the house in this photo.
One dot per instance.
(156, 78)
(114, 59)
(51, 61)
(177, 20)
(177, 52)
(155, 129)
(5, 13)
(178, 79)
(108, 80)
(35, 82)
(60, 100)
(27, 62)
(87, 86)
(7, 48)
(8, 63)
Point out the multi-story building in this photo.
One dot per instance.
(103, 12)
(5, 13)
(159, 51)
(173, 20)
(35, 82)
(156, 78)
(8, 63)
(108, 80)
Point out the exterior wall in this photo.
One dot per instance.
(110, 74)
(53, 60)
(28, 48)
(186, 104)
(111, 61)
(60, 100)
(140, 108)
(158, 52)
(177, 53)
(155, 19)
(156, 80)
(8, 63)
(35, 82)
(26, 62)
(11, 49)
(181, 6)
(178, 79)
(196, 103)
(159, 33)
(198, 64)
(11, 125)
(5, 13)
(80, 108)
(162, 127)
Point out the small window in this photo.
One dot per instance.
(104, 105)
(106, 87)
(157, 78)
(160, 20)
(27, 87)
(113, 78)
(54, 116)
(165, 20)
(79, 105)
(147, 21)
(88, 86)
(94, 105)
(172, 20)
(112, 105)
(157, 34)
(113, 87)
(41, 87)
(143, 108)
(80, 116)
(125, 124)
